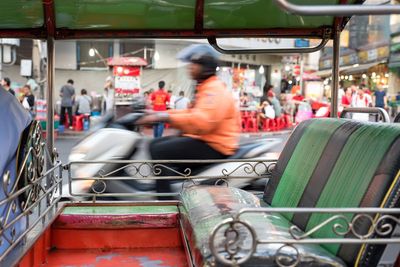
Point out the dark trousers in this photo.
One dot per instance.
(179, 148)
(62, 115)
(158, 129)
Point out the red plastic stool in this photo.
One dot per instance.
(268, 125)
(243, 119)
(66, 120)
(77, 122)
(287, 121)
(279, 123)
(251, 124)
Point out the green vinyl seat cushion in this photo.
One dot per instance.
(337, 163)
(204, 207)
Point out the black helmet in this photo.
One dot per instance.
(201, 54)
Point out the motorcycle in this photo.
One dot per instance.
(114, 140)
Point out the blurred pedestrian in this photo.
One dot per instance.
(28, 99)
(354, 87)
(182, 102)
(288, 107)
(84, 103)
(67, 95)
(275, 104)
(379, 98)
(244, 100)
(172, 99)
(6, 83)
(347, 98)
(146, 98)
(160, 99)
(361, 100)
(108, 96)
(267, 88)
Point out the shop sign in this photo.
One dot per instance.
(349, 59)
(363, 56)
(256, 43)
(302, 43)
(383, 52)
(372, 54)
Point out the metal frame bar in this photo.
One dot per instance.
(380, 219)
(337, 10)
(50, 25)
(335, 74)
(199, 16)
(371, 110)
(213, 42)
(151, 169)
(190, 33)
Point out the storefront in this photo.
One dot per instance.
(367, 67)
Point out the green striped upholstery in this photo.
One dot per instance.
(335, 163)
(314, 140)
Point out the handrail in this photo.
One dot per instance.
(337, 10)
(213, 42)
(380, 111)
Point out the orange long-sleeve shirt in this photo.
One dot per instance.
(213, 119)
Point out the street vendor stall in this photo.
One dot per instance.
(126, 73)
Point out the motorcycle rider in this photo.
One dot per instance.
(210, 128)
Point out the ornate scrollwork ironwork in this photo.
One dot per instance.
(252, 168)
(149, 169)
(231, 244)
(23, 194)
(381, 224)
(342, 226)
(284, 260)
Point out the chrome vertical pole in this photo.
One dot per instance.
(50, 96)
(301, 75)
(335, 74)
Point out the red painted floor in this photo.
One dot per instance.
(146, 257)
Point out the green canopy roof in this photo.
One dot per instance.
(69, 19)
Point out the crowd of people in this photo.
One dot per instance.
(82, 104)
(25, 96)
(360, 96)
(269, 106)
(294, 105)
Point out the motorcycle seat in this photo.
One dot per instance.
(256, 149)
(243, 150)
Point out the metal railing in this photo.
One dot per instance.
(94, 179)
(337, 10)
(30, 201)
(369, 110)
(381, 221)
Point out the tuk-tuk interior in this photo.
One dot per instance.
(332, 197)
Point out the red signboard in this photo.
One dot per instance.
(126, 71)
